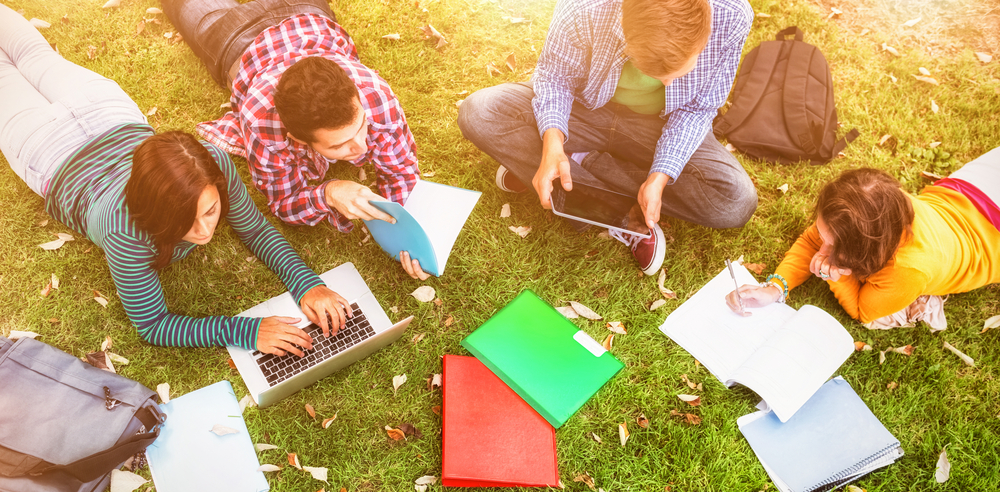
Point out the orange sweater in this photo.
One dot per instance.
(954, 248)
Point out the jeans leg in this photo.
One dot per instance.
(983, 172)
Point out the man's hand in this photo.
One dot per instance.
(412, 266)
(326, 308)
(277, 336)
(650, 196)
(351, 200)
(554, 165)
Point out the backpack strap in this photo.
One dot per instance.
(799, 35)
(808, 137)
(757, 78)
(842, 143)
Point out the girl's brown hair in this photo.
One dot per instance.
(169, 173)
(869, 216)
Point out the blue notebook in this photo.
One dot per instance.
(427, 226)
(832, 440)
(189, 456)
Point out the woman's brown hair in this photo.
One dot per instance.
(868, 215)
(169, 173)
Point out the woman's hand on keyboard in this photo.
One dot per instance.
(326, 308)
(278, 336)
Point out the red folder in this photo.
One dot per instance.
(492, 438)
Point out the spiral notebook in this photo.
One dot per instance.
(834, 439)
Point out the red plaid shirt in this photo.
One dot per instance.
(282, 169)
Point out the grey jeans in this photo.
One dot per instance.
(713, 190)
(50, 107)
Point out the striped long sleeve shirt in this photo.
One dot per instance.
(88, 195)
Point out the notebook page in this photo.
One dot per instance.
(797, 360)
(719, 338)
(441, 211)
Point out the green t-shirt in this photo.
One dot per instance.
(638, 91)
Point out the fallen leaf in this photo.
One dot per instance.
(153, 11)
(568, 312)
(391, 37)
(15, 334)
(394, 309)
(965, 358)
(111, 3)
(317, 473)
(426, 480)
(100, 299)
(934, 145)
(864, 31)
(783, 188)
(52, 245)
(293, 460)
(851, 488)
(163, 390)
(420, 488)
(690, 399)
(884, 138)
(762, 15)
(397, 381)
(617, 327)
(583, 477)
(91, 52)
(435, 381)
(892, 385)
(168, 34)
(458, 103)
(124, 481)
(596, 437)
(107, 343)
(424, 293)
(684, 378)
(221, 430)
(151, 111)
(584, 311)
(657, 304)
(311, 411)
(436, 409)
(431, 33)
(891, 50)
(642, 421)
(881, 357)
(511, 62)
(834, 13)
(39, 23)
(505, 211)
(623, 432)
(608, 341)
(418, 337)
(667, 293)
(757, 268)
(117, 359)
(395, 434)
(522, 231)
(246, 401)
(924, 71)
(984, 57)
(905, 350)
(991, 322)
(429, 174)
(934, 107)
(46, 290)
(860, 346)
(226, 105)
(492, 70)
(934, 177)
(893, 77)
(691, 418)
(929, 80)
(268, 468)
(264, 447)
(912, 22)
(327, 422)
(100, 360)
(518, 20)
(943, 468)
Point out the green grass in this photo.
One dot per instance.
(938, 402)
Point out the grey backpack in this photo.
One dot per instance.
(64, 424)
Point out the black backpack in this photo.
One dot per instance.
(783, 108)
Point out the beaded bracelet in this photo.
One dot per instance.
(771, 279)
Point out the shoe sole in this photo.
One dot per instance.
(501, 172)
(659, 254)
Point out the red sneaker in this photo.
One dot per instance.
(649, 252)
(506, 181)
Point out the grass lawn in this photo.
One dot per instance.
(938, 402)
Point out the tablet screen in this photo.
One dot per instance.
(596, 206)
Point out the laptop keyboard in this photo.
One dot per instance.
(279, 368)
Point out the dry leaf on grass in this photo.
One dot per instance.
(411, 430)
(585, 478)
(505, 211)
(568, 312)
(436, 409)
(293, 460)
(905, 350)
(730, 148)
(893, 78)
(100, 299)
(861, 346)
(924, 71)
(100, 360)
(943, 468)
(397, 381)
(690, 399)
(15, 334)
(934, 145)
(881, 357)
(107, 343)
(91, 52)
(433, 34)
(434, 382)
(117, 359)
(929, 80)
(657, 304)
(984, 57)
(264, 447)
(246, 401)
(931, 176)
(522, 231)
(584, 311)
(834, 13)
(884, 138)
(642, 421)
(667, 293)
(111, 3)
(991, 322)
(762, 15)
(757, 268)
(39, 23)
(912, 22)
(123, 481)
(426, 480)
(221, 430)
(153, 11)
(268, 468)
(61, 239)
(395, 434)
(892, 385)
(311, 411)
(163, 390)
(890, 49)
(596, 437)
(608, 341)
(689, 417)
(418, 337)
(424, 293)
(327, 422)
(934, 107)
(391, 37)
(511, 62)
(151, 111)
(316, 472)
(492, 70)
(617, 327)
(623, 432)
(965, 358)
(46, 290)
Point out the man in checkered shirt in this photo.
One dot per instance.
(301, 100)
(623, 98)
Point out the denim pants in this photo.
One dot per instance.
(219, 31)
(50, 107)
(713, 190)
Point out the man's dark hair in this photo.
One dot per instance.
(315, 93)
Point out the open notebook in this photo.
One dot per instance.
(427, 226)
(782, 354)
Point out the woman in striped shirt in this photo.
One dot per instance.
(80, 142)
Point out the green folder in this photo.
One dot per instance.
(553, 365)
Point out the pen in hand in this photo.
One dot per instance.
(729, 265)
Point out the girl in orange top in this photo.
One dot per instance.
(879, 248)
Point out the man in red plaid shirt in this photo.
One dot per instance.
(301, 99)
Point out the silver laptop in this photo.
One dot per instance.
(271, 378)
